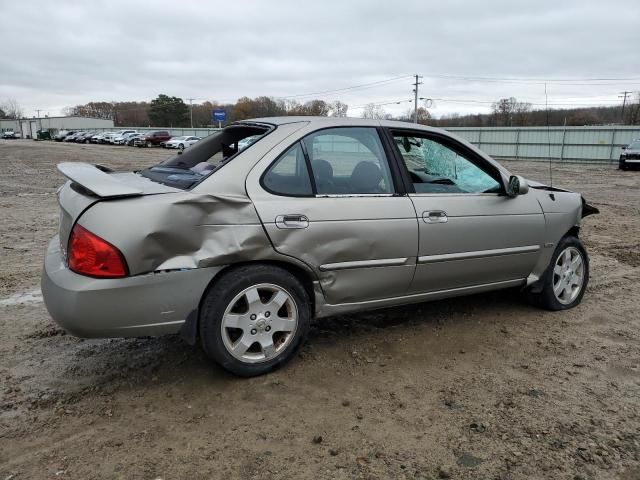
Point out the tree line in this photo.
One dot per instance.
(509, 112)
(168, 111)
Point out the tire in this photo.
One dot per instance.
(563, 270)
(181, 147)
(147, 144)
(621, 165)
(265, 338)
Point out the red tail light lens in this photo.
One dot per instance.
(90, 255)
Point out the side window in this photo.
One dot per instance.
(348, 161)
(289, 174)
(436, 168)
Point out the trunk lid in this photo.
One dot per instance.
(88, 184)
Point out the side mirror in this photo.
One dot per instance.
(517, 186)
(624, 147)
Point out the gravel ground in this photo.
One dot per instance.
(483, 387)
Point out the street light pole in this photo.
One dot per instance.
(191, 109)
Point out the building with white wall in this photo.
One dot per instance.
(27, 127)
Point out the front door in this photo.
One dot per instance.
(330, 201)
(471, 233)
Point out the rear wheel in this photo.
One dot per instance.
(254, 319)
(565, 280)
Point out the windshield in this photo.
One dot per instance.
(634, 145)
(206, 156)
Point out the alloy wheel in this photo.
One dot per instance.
(568, 275)
(259, 323)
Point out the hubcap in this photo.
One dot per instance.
(259, 323)
(568, 275)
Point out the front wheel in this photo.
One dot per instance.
(254, 319)
(565, 280)
(181, 147)
(621, 164)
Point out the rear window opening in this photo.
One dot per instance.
(207, 156)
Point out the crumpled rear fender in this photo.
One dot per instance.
(181, 231)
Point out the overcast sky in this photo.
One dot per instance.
(62, 53)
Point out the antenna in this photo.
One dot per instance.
(546, 103)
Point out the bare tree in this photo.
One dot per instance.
(373, 111)
(632, 115)
(423, 115)
(12, 109)
(338, 109)
(509, 112)
(91, 109)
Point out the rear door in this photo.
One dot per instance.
(471, 233)
(331, 200)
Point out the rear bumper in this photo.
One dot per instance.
(150, 304)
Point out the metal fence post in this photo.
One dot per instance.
(613, 138)
(517, 144)
(564, 132)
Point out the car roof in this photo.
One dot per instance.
(324, 122)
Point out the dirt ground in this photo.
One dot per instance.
(483, 387)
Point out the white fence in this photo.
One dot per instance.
(571, 144)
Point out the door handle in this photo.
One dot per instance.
(292, 221)
(435, 216)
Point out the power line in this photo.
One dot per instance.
(353, 87)
(485, 102)
(533, 80)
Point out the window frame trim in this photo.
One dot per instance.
(276, 160)
(452, 144)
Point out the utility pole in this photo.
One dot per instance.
(39, 122)
(191, 109)
(623, 96)
(415, 98)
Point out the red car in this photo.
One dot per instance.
(153, 139)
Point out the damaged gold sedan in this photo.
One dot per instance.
(245, 237)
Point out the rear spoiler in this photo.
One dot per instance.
(96, 181)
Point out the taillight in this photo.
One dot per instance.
(90, 255)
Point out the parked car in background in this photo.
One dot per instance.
(73, 136)
(108, 137)
(240, 249)
(131, 139)
(85, 137)
(62, 134)
(153, 139)
(10, 135)
(118, 136)
(97, 137)
(121, 139)
(630, 157)
(245, 142)
(181, 142)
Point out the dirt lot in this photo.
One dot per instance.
(483, 387)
